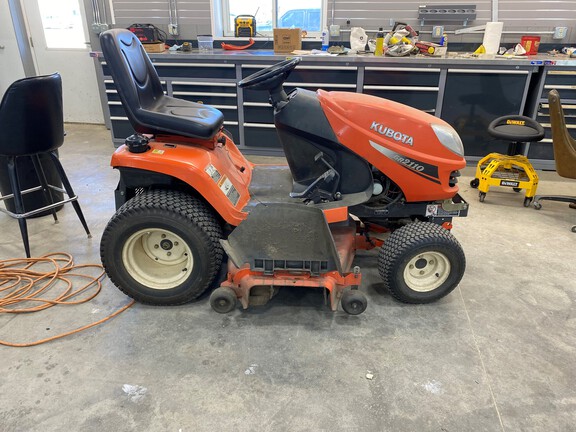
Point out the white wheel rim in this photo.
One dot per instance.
(427, 271)
(157, 258)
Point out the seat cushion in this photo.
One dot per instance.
(179, 117)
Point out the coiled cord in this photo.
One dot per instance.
(24, 281)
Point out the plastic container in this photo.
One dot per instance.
(205, 43)
(325, 39)
(379, 51)
(444, 40)
(530, 44)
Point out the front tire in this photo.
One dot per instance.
(162, 247)
(421, 263)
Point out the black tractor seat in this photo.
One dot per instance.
(149, 110)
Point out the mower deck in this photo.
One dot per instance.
(289, 245)
(257, 288)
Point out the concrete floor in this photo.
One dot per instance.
(496, 354)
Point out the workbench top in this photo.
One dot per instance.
(452, 58)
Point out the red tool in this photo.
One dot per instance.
(237, 47)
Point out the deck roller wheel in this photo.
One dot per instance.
(354, 302)
(223, 300)
(475, 183)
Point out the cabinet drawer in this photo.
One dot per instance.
(196, 70)
(560, 77)
(121, 127)
(230, 113)
(204, 87)
(255, 112)
(224, 99)
(258, 96)
(116, 109)
(110, 85)
(566, 91)
(260, 135)
(313, 74)
(541, 150)
(233, 129)
(188, 70)
(421, 99)
(569, 114)
(391, 76)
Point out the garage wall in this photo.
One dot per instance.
(518, 15)
(374, 14)
(193, 15)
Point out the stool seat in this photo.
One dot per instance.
(516, 128)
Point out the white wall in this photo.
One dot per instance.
(11, 67)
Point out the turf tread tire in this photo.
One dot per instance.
(412, 237)
(192, 210)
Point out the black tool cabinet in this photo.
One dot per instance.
(467, 93)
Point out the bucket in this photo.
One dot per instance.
(530, 44)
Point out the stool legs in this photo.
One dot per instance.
(18, 202)
(69, 191)
(44, 183)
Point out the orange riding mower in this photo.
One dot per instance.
(362, 173)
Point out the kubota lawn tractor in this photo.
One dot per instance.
(363, 172)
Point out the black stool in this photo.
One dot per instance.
(32, 124)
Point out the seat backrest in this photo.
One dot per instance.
(31, 116)
(564, 144)
(134, 75)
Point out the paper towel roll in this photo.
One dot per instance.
(492, 36)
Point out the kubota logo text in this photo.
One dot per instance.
(391, 133)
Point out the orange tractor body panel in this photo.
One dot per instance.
(196, 166)
(211, 170)
(372, 127)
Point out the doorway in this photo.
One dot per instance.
(60, 43)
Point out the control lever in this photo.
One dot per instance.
(328, 175)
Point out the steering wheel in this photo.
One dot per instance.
(270, 78)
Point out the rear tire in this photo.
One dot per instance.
(421, 263)
(162, 247)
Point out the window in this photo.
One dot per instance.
(304, 14)
(62, 24)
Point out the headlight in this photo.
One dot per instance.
(449, 138)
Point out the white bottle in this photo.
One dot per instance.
(325, 39)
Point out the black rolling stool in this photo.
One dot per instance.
(32, 124)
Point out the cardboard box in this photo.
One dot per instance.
(155, 47)
(287, 40)
(431, 49)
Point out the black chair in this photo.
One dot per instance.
(31, 125)
(149, 110)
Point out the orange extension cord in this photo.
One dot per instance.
(21, 284)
